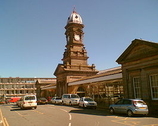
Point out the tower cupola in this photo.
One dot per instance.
(74, 18)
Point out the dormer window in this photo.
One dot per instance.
(76, 16)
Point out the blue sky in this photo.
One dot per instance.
(32, 39)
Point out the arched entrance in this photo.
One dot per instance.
(81, 91)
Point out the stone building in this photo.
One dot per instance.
(75, 57)
(140, 71)
(45, 83)
(17, 87)
(106, 87)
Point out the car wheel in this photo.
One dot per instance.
(145, 115)
(129, 113)
(70, 103)
(22, 107)
(34, 107)
(112, 111)
(84, 106)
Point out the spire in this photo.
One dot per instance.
(74, 10)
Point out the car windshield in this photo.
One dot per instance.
(58, 98)
(74, 96)
(88, 99)
(30, 98)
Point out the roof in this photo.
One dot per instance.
(138, 49)
(48, 87)
(74, 18)
(108, 70)
(47, 81)
(109, 74)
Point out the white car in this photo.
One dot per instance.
(70, 99)
(87, 102)
(56, 100)
(28, 101)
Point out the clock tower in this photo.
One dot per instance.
(75, 57)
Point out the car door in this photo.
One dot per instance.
(125, 105)
(53, 100)
(118, 106)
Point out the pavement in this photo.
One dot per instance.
(1, 118)
(3, 121)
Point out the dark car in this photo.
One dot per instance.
(130, 107)
(42, 101)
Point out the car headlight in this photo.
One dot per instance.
(85, 102)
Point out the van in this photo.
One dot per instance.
(70, 99)
(28, 101)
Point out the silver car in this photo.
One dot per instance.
(130, 107)
(56, 100)
(87, 102)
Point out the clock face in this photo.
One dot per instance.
(77, 37)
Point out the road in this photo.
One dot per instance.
(59, 115)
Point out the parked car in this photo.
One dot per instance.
(14, 99)
(70, 99)
(56, 100)
(2, 102)
(28, 101)
(87, 102)
(130, 107)
(19, 102)
(42, 101)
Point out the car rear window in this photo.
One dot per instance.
(30, 98)
(139, 103)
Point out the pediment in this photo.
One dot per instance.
(138, 49)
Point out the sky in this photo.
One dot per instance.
(32, 39)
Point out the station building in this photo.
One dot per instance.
(74, 75)
(18, 87)
(137, 77)
(140, 72)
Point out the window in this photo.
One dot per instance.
(128, 102)
(30, 98)
(74, 96)
(137, 88)
(119, 102)
(154, 86)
